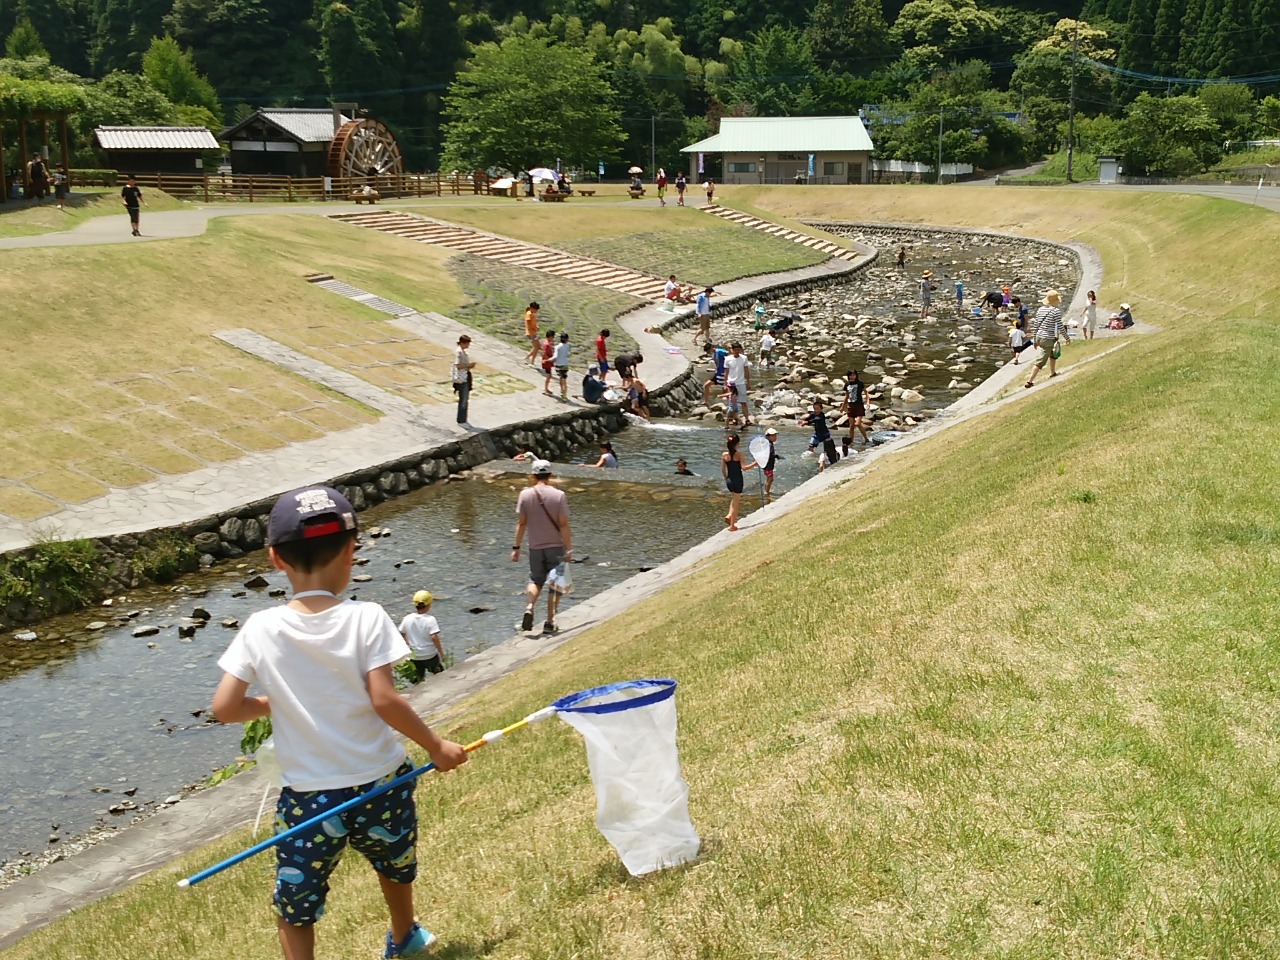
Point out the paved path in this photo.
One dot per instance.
(43, 897)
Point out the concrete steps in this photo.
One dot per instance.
(785, 233)
(420, 229)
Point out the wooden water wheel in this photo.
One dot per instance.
(363, 148)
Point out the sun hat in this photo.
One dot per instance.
(422, 598)
(1125, 306)
(307, 513)
(927, 274)
(771, 432)
(1051, 298)
(540, 468)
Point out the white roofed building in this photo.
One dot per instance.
(293, 141)
(156, 149)
(784, 150)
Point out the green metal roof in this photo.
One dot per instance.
(786, 134)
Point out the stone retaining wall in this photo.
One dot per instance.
(121, 561)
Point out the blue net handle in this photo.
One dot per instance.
(644, 693)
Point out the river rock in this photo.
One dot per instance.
(232, 529)
(279, 592)
(257, 583)
(912, 396)
(230, 622)
(252, 536)
(146, 630)
(200, 613)
(27, 636)
(186, 632)
(361, 578)
(207, 542)
(96, 625)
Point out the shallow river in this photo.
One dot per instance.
(89, 720)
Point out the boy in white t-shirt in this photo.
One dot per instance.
(325, 670)
(767, 343)
(421, 631)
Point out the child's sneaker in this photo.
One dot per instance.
(549, 628)
(417, 942)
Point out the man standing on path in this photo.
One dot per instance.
(531, 332)
(462, 367)
(1047, 329)
(132, 197)
(703, 309)
(737, 375)
(926, 293)
(543, 510)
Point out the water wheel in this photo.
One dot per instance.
(363, 148)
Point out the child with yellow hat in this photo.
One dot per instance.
(421, 631)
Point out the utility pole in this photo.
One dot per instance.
(938, 179)
(1071, 104)
(653, 144)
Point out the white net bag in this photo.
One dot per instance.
(642, 801)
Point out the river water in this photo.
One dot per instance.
(95, 719)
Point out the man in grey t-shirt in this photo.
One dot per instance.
(543, 510)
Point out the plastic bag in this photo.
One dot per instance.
(560, 580)
(642, 801)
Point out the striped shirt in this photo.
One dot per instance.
(1048, 323)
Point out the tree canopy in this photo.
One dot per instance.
(528, 101)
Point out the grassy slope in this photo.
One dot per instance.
(660, 241)
(1011, 695)
(139, 386)
(23, 219)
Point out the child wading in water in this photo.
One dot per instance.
(325, 670)
(421, 631)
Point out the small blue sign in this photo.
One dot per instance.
(600, 168)
(811, 164)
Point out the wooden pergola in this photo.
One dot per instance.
(43, 118)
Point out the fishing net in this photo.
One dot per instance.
(642, 801)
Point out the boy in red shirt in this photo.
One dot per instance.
(602, 352)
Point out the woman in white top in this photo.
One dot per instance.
(608, 460)
(462, 367)
(1090, 317)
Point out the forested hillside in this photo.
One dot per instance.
(660, 73)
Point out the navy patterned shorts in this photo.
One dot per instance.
(384, 831)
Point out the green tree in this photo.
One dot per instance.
(250, 48)
(1266, 26)
(527, 101)
(1168, 136)
(1135, 44)
(1191, 41)
(849, 36)
(1166, 44)
(771, 74)
(172, 71)
(953, 26)
(24, 42)
(1231, 51)
(1269, 117)
(122, 32)
(1045, 69)
(1232, 107)
(433, 49)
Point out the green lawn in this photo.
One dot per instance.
(1084, 167)
(1011, 695)
(661, 241)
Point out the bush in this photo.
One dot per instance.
(53, 575)
(164, 559)
(93, 177)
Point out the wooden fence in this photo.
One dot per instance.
(254, 188)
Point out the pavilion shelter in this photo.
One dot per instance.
(784, 150)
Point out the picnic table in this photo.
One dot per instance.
(359, 196)
(553, 197)
(587, 193)
(636, 194)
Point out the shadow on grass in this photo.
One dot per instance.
(462, 949)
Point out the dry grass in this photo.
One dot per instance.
(1012, 695)
(123, 381)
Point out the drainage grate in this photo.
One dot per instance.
(381, 304)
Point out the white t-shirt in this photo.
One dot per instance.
(735, 369)
(418, 629)
(312, 668)
(459, 371)
(562, 355)
(1016, 338)
(670, 288)
(767, 342)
